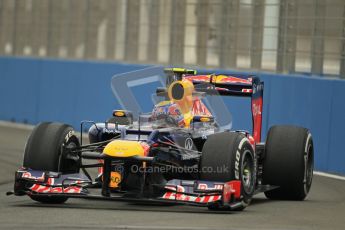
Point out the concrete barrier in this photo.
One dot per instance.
(34, 90)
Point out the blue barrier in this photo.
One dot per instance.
(34, 90)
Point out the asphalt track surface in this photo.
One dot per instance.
(323, 209)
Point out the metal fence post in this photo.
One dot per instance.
(40, 27)
(7, 26)
(2, 24)
(58, 12)
(342, 57)
(77, 28)
(177, 28)
(54, 28)
(228, 33)
(317, 48)
(23, 35)
(287, 36)
(202, 11)
(152, 50)
(257, 34)
(94, 17)
(132, 30)
(111, 7)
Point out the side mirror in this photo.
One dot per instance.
(162, 92)
(208, 119)
(121, 117)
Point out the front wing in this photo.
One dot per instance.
(190, 192)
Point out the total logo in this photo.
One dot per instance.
(256, 109)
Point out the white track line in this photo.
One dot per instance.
(16, 125)
(333, 176)
(30, 127)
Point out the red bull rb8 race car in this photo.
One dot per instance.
(176, 154)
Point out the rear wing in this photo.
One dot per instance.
(226, 85)
(221, 84)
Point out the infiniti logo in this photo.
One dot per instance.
(188, 144)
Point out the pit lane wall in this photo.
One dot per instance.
(34, 90)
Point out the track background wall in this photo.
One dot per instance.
(35, 90)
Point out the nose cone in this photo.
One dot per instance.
(125, 148)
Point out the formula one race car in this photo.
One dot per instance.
(176, 154)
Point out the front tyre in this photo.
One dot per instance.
(229, 156)
(289, 162)
(44, 151)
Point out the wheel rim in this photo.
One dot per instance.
(309, 168)
(247, 172)
(64, 162)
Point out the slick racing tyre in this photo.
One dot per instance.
(44, 152)
(289, 162)
(229, 156)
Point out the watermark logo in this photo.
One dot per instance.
(179, 170)
(136, 91)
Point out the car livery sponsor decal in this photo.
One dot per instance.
(69, 135)
(232, 187)
(146, 147)
(49, 188)
(200, 109)
(196, 199)
(188, 144)
(237, 159)
(218, 79)
(28, 175)
(205, 187)
(247, 90)
(176, 194)
(52, 185)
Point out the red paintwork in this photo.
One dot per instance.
(199, 108)
(217, 79)
(146, 147)
(257, 118)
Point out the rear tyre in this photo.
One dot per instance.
(289, 162)
(44, 152)
(229, 156)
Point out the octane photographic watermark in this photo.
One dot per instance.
(180, 170)
(130, 90)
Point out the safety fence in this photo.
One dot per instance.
(283, 36)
